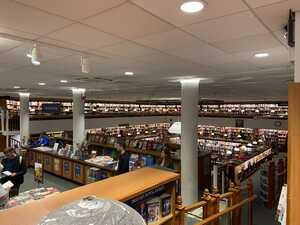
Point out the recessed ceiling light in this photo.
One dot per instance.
(192, 6)
(129, 73)
(41, 83)
(262, 55)
(17, 87)
(63, 81)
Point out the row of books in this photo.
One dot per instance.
(259, 109)
(152, 210)
(139, 144)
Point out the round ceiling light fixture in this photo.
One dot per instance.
(192, 6)
(17, 87)
(129, 73)
(262, 55)
(41, 83)
(63, 81)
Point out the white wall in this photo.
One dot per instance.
(37, 126)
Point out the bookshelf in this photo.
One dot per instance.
(142, 182)
(98, 108)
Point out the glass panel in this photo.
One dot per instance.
(194, 217)
(226, 219)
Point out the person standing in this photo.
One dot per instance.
(124, 156)
(16, 165)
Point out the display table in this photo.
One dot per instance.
(125, 188)
(30, 196)
(71, 169)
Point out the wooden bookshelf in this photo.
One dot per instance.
(141, 182)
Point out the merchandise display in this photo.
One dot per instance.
(65, 208)
(273, 176)
(4, 197)
(38, 108)
(236, 151)
(32, 195)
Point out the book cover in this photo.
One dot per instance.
(165, 204)
(141, 208)
(153, 210)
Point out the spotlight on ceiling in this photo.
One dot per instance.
(190, 6)
(17, 87)
(262, 55)
(41, 83)
(85, 66)
(129, 73)
(63, 81)
(34, 55)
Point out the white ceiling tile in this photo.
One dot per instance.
(259, 3)
(76, 9)
(62, 44)
(26, 19)
(294, 5)
(248, 44)
(83, 35)
(170, 10)
(127, 49)
(169, 40)
(6, 44)
(16, 56)
(228, 27)
(278, 57)
(275, 16)
(128, 21)
(236, 67)
(196, 53)
(6, 32)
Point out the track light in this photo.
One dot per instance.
(85, 66)
(34, 55)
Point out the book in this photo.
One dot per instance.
(141, 208)
(153, 210)
(165, 204)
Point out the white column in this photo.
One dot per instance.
(24, 118)
(78, 117)
(297, 48)
(189, 142)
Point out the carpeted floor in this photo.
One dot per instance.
(49, 181)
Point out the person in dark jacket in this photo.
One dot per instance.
(123, 165)
(16, 165)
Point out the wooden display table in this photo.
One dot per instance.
(122, 188)
(72, 169)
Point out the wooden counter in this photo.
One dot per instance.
(123, 188)
(71, 169)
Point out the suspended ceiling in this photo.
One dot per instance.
(151, 38)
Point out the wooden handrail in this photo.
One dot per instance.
(228, 210)
(226, 195)
(195, 206)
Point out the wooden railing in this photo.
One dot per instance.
(228, 210)
(13, 143)
(210, 204)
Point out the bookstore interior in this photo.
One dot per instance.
(135, 112)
